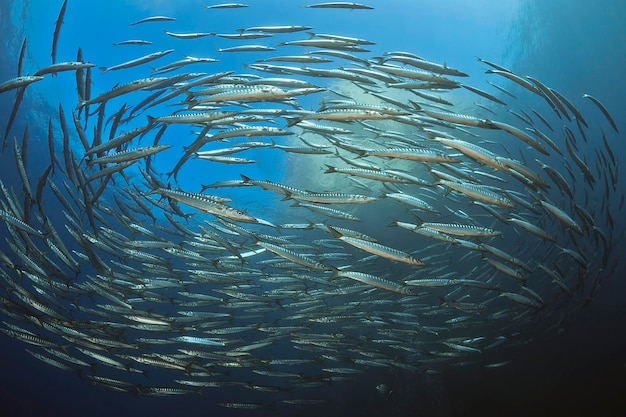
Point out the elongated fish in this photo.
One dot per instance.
(153, 19)
(372, 280)
(19, 82)
(603, 110)
(339, 5)
(57, 31)
(138, 61)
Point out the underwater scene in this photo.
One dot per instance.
(401, 208)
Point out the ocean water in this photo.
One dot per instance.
(568, 363)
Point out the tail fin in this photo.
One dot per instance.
(330, 169)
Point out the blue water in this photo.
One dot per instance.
(571, 46)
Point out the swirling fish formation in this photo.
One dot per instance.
(400, 227)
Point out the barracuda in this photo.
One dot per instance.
(138, 61)
(332, 198)
(368, 173)
(192, 285)
(129, 155)
(412, 154)
(378, 249)
(203, 203)
(414, 74)
(62, 66)
(260, 93)
(372, 280)
(19, 82)
(461, 119)
(473, 151)
(203, 117)
(479, 193)
(293, 256)
(461, 229)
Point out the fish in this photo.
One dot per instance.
(137, 61)
(411, 154)
(119, 91)
(331, 198)
(603, 109)
(57, 30)
(561, 215)
(292, 256)
(339, 5)
(372, 280)
(479, 193)
(195, 35)
(132, 42)
(401, 219)
(247, 48)
(245, 406)
(80, 76)
(226, 6)
(424, 64)
(377, 249)
(181, 63)
(414, 74)
(20, 60)
(63, 66)
(129, 154)
(244, 35)
(19, 96)
(117, 141)
(278, 29)
(483, 94)
(383, 389)
(209, 205)
(457, 229)
(19, 82)
(153, 19)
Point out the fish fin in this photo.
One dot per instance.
(292, 121)
(415, 105)
(334, 231)
(335, 274)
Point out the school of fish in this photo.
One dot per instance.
(408, 221)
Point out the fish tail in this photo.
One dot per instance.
(293, 121)
(330, 169)
(335, 273)
(334, 231)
